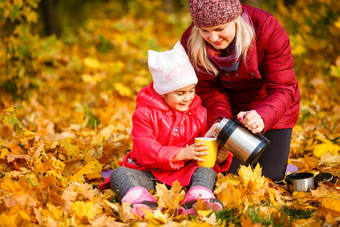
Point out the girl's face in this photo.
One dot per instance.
(219, 36)
(180, 99)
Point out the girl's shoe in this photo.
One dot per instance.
(140, 200)
(202, 193)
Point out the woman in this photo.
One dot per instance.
(244, 66)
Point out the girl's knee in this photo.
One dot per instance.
(207, 171)
(117, 172)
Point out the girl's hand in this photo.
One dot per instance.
(192, 152)
(222, 154)
(251, 120)
(210, 133)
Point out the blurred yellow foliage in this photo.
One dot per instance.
(326, 147)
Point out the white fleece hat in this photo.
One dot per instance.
(171, 70)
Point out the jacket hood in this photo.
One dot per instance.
(148, 97)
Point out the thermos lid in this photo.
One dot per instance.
(324, 177)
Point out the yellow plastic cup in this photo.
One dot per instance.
(210, 158)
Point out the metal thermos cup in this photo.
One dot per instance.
(300, 182)
(245, 145)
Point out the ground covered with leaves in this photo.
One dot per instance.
(70, 121)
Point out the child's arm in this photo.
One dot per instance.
(148, 151)
(222, 154)
(224, 159)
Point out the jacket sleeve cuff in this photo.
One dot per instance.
(268, 116)
(165, 157)
(225, 165)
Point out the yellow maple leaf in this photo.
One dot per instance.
(124, 212)
(54, 211)
(247, 175)
(48, 162)
(203, 215)
(169, 199)
(15, 149)
(55, 198)
(332, 204)
(229, 195)
(86, 190)
(329, 160)
(28, 134)
(13, 157)
(9, 186)
(300, 195)
(91, 167)
(3, 153)
(156, 217)
(72, 150)
(326, 147)
(275, 197)
(83, 209)
(204, 212)
(69, 196)
(104, 220)
(8, 220)
(24, 216)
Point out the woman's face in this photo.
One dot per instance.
(180, 99)
(219, 36)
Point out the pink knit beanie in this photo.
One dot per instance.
(208, 13)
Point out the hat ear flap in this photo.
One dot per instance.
(152, 55)
(179, 49)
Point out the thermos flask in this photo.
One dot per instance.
(245, 145)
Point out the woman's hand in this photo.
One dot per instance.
(222, 154)
(210, 133)
(192, 152)
(251, 120)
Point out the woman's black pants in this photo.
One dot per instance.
(274, 159)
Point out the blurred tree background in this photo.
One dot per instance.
(28, 26)
(70, 71)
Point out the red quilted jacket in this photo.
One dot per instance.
(266, 83)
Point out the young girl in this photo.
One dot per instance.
(168, 117)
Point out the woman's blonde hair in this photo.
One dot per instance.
(244, 36)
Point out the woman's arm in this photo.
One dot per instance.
(278, 71)
(215, 99)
